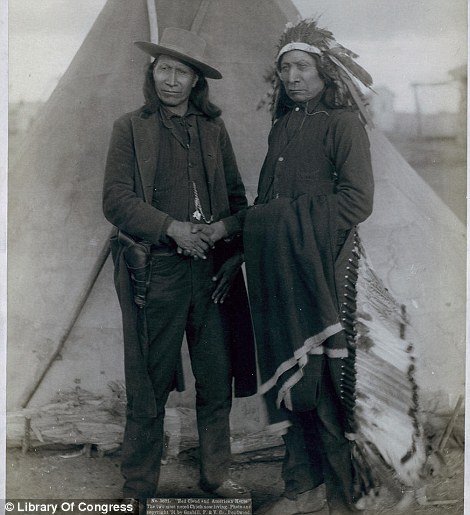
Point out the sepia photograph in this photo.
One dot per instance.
(234, 257)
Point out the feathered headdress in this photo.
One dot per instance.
(337, 63)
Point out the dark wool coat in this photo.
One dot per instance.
(127, 203)
(131, 168)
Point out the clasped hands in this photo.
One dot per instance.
(196, 239)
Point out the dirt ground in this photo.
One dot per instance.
(70, 474)
(65, 474)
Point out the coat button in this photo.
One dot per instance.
(280, 159)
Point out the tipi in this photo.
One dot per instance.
(61, 301)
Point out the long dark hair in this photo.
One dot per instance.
(199, 95)
(333, 96)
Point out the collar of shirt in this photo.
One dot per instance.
(169, 118)
(308, 105)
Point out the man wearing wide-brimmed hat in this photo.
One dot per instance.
(170, 173)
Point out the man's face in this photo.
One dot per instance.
(299, 74)
(174, 81)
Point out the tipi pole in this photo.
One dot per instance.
(200, 15)
(450, 426)
(153, 25)
(99, 264)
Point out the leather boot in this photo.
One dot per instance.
(306, 502)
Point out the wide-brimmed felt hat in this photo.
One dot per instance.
(183, 45)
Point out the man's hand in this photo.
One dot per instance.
(225, 277)
(214, 232)
(189, 242)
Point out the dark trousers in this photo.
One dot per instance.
(179, 301)
(316, 449)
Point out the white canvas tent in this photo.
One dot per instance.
(60, 292)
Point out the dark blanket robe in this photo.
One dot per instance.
(295, 274)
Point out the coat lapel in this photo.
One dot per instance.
(146, 132)
(209, 134)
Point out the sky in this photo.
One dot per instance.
(399, 42)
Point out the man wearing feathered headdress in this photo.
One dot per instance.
(315, 186)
